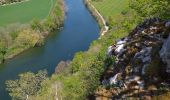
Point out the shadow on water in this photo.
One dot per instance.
(79, 30)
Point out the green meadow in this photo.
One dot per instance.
(110, 7)
(25, 12)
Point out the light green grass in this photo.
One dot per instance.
(110, 7)
(25, 12)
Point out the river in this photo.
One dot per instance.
(79, 30)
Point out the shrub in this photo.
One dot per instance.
(27, 85)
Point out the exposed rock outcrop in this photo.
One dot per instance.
(165, 53)
(142, 59)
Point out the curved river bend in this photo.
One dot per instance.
(79, 30)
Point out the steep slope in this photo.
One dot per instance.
(141, 68)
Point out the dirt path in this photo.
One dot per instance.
(106, 28)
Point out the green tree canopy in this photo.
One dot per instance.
(27, 85)
(151, 8)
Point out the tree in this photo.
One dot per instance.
(27, 85)
(151, 8)
(37, 25)
(3, 51)
(5, 42)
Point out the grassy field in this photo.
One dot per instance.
(110, 7)
(25, 12)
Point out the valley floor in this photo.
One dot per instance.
(25, 12)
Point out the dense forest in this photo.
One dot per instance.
(80, 79)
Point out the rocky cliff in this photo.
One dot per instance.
(142, 63)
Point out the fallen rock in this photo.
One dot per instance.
(114, 80)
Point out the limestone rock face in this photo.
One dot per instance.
(165, 53)
(141, 59)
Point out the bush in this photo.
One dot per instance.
(27, 85)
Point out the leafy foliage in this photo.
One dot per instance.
(16, 38)
(151, 8)
(27, 85)
(82, 76)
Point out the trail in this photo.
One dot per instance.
(106, 28)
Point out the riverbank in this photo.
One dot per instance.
(21, 38)
(77, 34)
(100, 19)
(79, 79)
(107, 59)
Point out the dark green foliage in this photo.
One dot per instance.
(5, 41)
(151, 8)
(85, 78)
(37, 25)
(109, 61)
